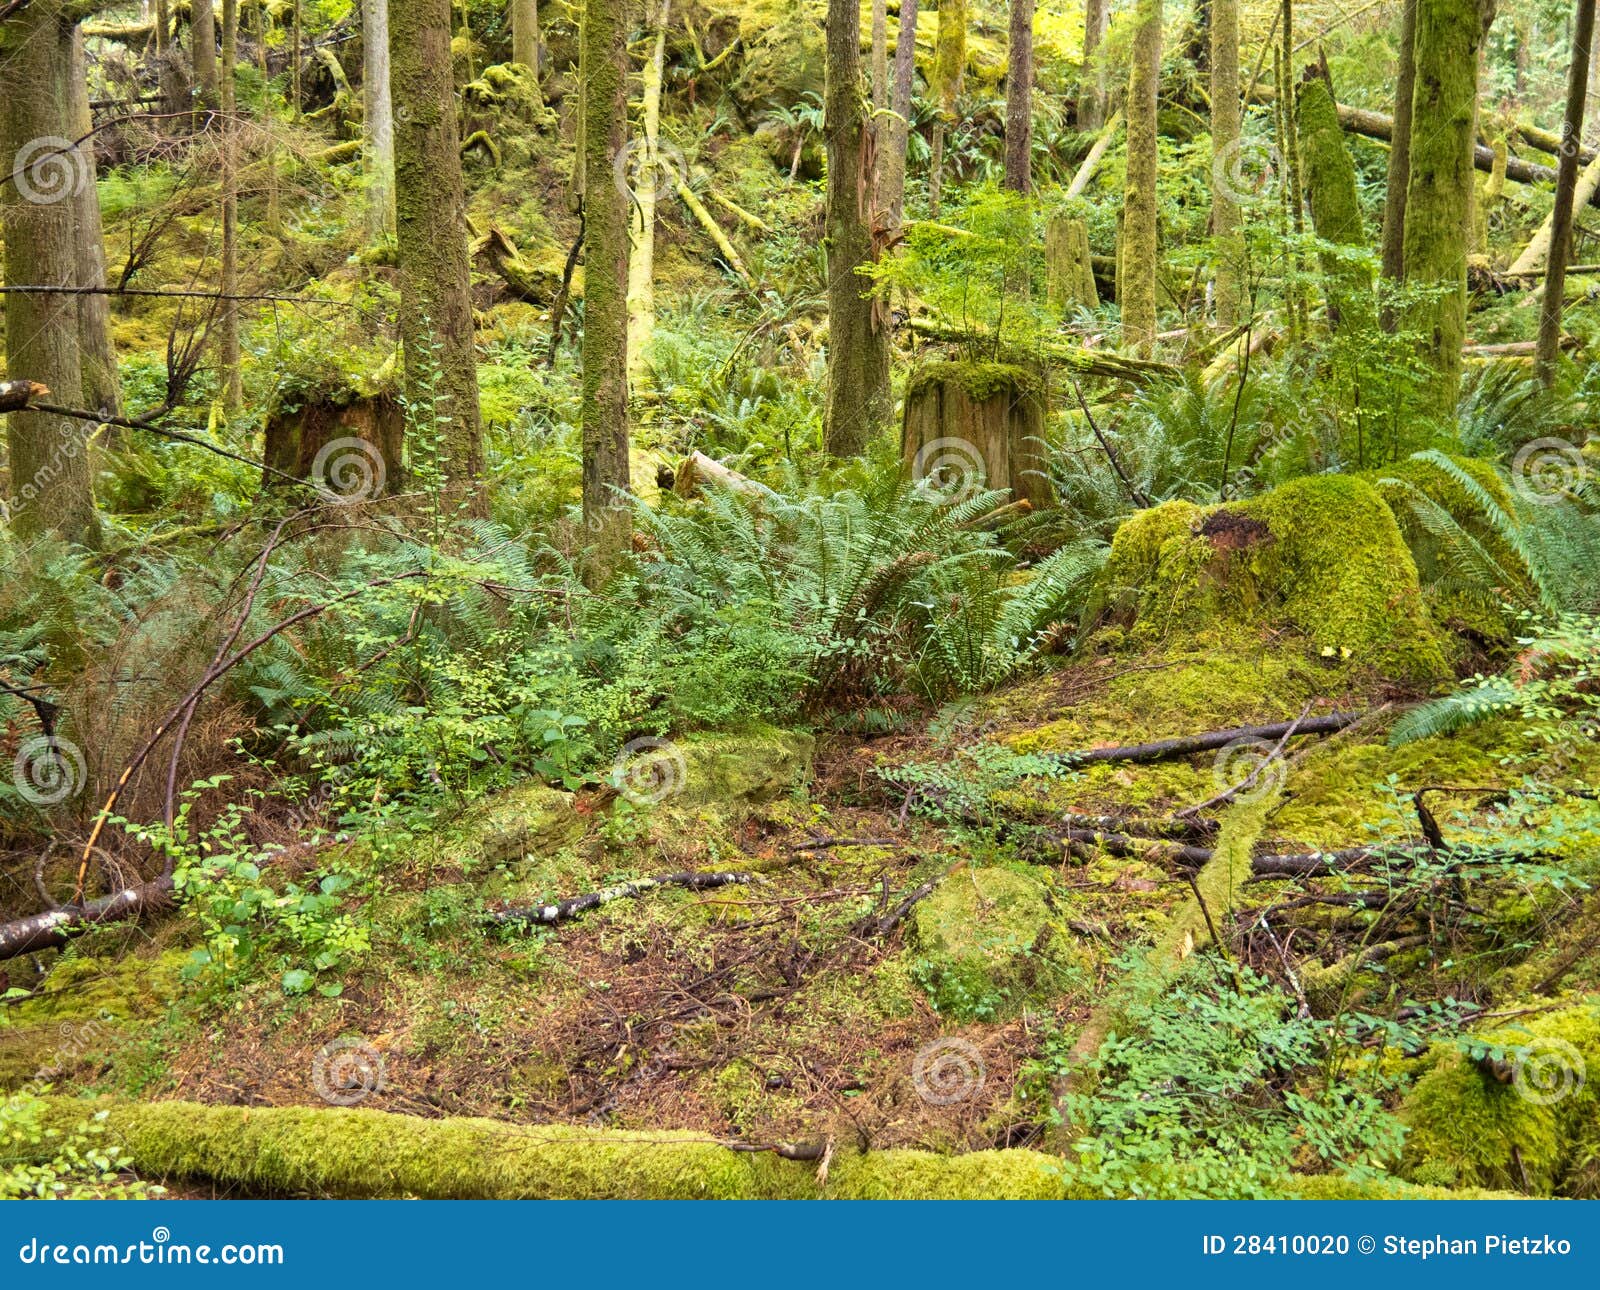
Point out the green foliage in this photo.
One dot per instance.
(1221, 1093)
(41, 1162)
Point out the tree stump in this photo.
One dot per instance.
(970, 426)
(346, 445)
(1069, 268)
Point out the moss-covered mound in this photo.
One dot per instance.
(1321, 557)
(1524, 1117)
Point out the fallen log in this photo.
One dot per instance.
(1091, 163)
(1185, 830)
(55, 927)
(1207, 741)
(1085, 843)
(574, 905)
(1537, 251)
(1087, 362)
(699, 470)
(16, 395)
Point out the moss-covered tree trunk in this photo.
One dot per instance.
(892, 156)
(642, 218)
(1136, 282)
(1335, 206)
(228, 307)
(1399, 175)
(441, 376)
(606, 516)
(377, 117)
(1091, 104)
(1019, 98)
(525, 34)
(1555, 275)
(102, 386)
(1069, 267)
(1438, 192)
(1225, 115)
(858, 340)
(949, 68)
(50, 476)
(203, 52)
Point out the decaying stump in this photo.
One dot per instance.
(977, 425)
(347, 445)
(1069, 268)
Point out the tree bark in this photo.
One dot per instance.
(1555, 278)
(203, 52)
(378, 117)
(1136, 285)
(102, 385)
(436, 330)
(50, 476)
(1438, 194)
(1399, 174)
(1091, 105)
(642, 222)
(1225, 122)
(228, 307)
(1335, 207)
(949, 67)
(858, 342)
(525, 34)
(1019, 99)
(605, 321)
(892, 160)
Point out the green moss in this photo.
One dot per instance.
(1469, 1129)
(1322, 556)
(987, 942)
(527, 820)
(980, 381)
(744, 768)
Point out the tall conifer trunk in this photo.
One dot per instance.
(102, 386)
(1019, 98)
(1136, 282)
(228, 312)
(1555, 276)
(378, 116)
(1225, 119)
(892, 155)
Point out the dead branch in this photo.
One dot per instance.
(574, 905)
(1207, 741)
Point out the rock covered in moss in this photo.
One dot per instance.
(1321, 556)
(986, 943)
(528, 820)
(1527, 1120)
(740, 769)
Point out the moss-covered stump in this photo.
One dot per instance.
(1321, 556)
(1068, 265)
(335, 1152)
(734, 770)
(971, 426)
(345, 442)
(988, 941)
(1526, 1118)
(528, 820)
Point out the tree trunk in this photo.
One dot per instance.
(1091, 105)
(1335, 207)
(949, 67)
(1399, 178)
(525, 34)
(1136, 284)
(892, 160)
(203, 52)
(1019, 99)
(880, 56)
(1069, 268)
(1536, 254)
(605, 317)
(378, 117)
(1438, 192)
(102, 386)
(441, 378)
(1225, 119)
(50, 476)
(973, 426)
(858, 342)
(642, 226)
(295, 40)
(1555, 278)
(228, 310)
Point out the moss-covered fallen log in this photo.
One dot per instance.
(1086, 362)
(356, 1153)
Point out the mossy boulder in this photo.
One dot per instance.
(986, 942)
(742, 769)
(1321, 557)
(1525, 1119)
(524, 821)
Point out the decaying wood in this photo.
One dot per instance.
(697, 208)
(1091, 163)
(1000, 429)
(1207, 741)
(699, 470)
(55, 927)
(1087, 362)
(15, 395)
(564, 909)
